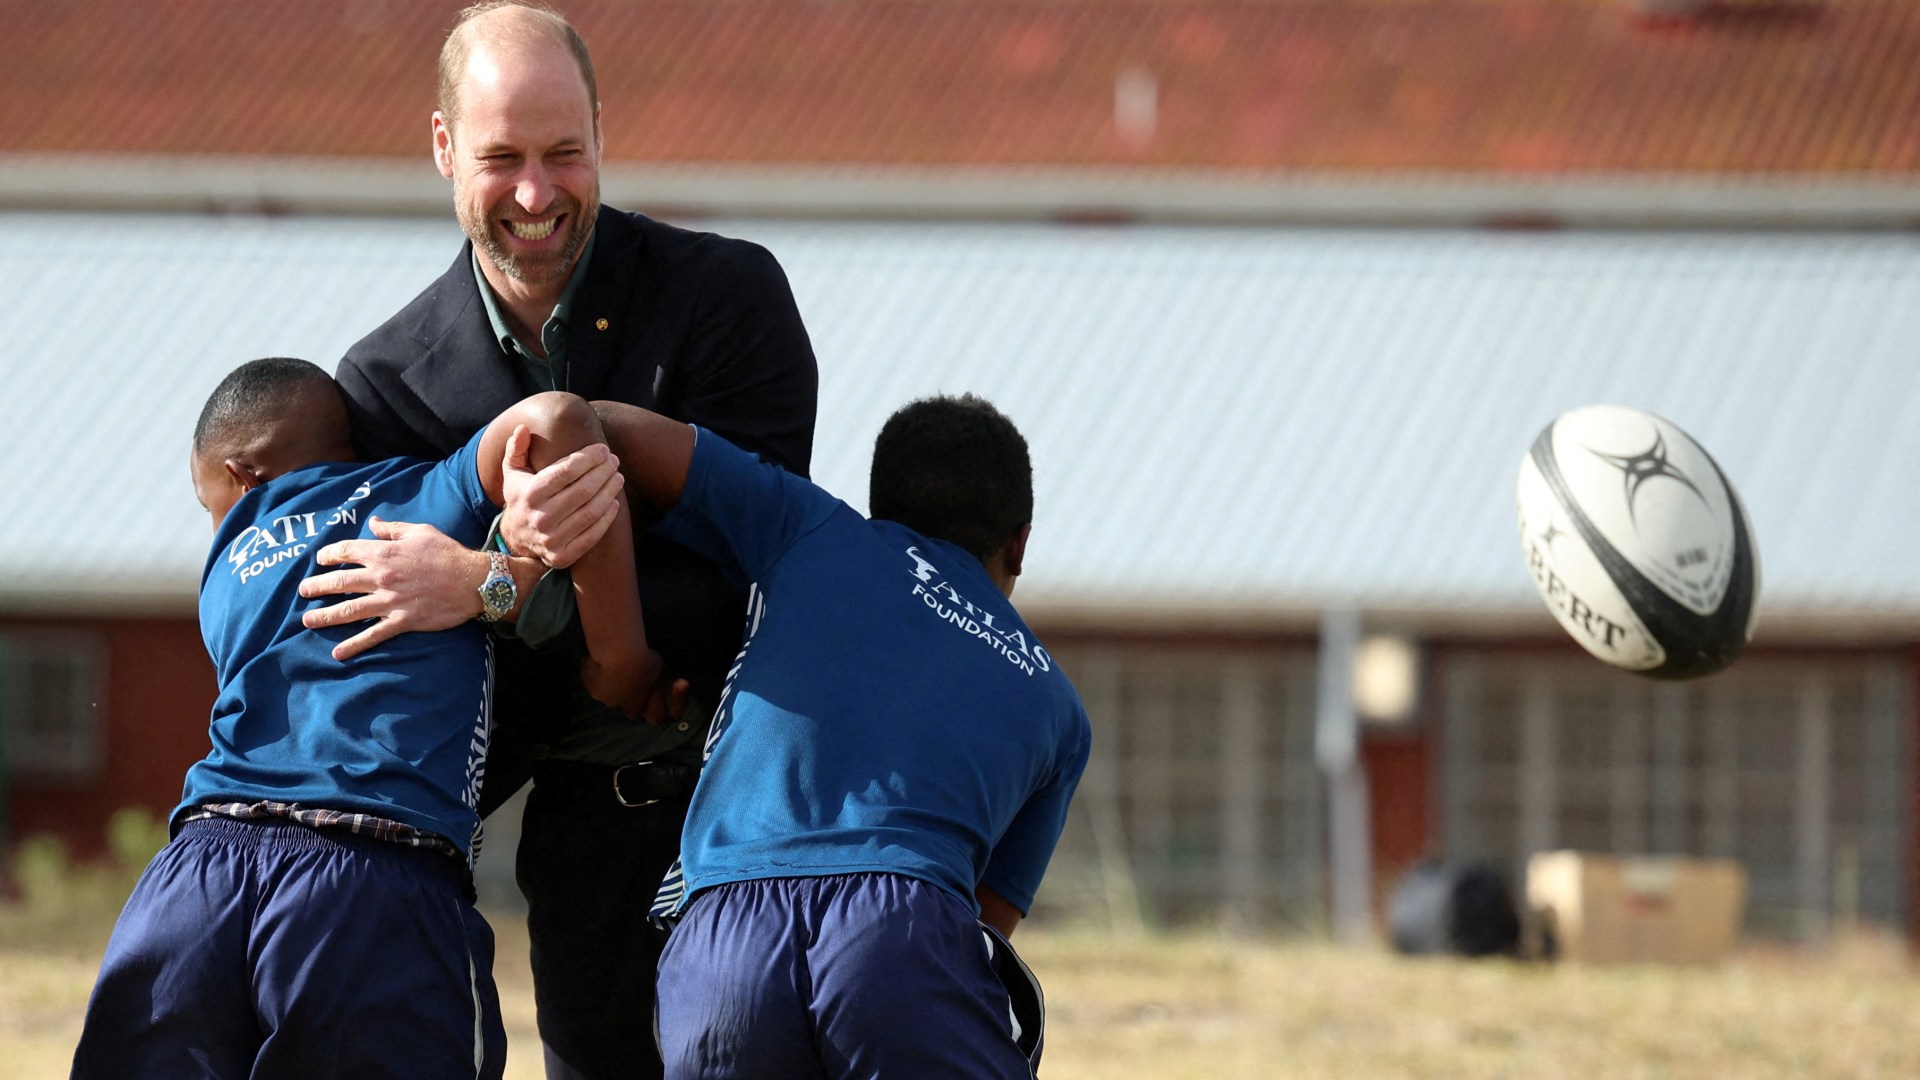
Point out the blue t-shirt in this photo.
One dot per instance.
(401, 730)
(889, 711)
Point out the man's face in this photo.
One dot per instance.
(524, 158)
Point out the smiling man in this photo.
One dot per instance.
(555, 292)
(526, 169)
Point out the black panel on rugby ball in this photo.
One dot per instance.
(1696, 644)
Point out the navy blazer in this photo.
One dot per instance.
(698, 327)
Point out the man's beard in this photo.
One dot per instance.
(533, 270)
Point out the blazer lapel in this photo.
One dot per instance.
(612, 308)
(463, 376)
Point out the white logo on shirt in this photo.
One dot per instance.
(945, 601)
(259, 548)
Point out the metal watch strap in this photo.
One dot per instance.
(498, 566)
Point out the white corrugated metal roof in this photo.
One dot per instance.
(1243, 421)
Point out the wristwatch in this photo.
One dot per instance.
(498, 593)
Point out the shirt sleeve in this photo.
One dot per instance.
(1020, 859)
(461, 474)
(741, 512)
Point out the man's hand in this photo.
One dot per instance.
(557, 514)
(413, 577)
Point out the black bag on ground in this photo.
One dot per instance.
(1460, 908)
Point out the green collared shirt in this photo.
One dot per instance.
(549, 607)
(593, 732)
(535, 373)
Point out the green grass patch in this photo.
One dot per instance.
(65, 905)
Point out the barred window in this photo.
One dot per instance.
(1801, 769)
(52, 706)
(1202, 802)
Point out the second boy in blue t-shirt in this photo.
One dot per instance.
(893, 756)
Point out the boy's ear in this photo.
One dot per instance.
(1016, 550)
(244, 473)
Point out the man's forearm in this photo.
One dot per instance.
(527, 572)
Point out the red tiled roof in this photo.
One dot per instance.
(1518, 86)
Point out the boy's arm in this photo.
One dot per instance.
(619, 670)
(743, 515)
(655, 452)
(555, 515)
(1019, 858)
(996, 911)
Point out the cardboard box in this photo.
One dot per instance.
(1610, 909)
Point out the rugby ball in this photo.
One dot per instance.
(1637, 543)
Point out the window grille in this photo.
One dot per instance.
(52, 707)
(1797, 768)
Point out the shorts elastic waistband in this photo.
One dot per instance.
(283, 835)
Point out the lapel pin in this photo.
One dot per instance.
(599, 324)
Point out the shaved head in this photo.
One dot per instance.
(266, 419)
(259, 398)
(506, 26)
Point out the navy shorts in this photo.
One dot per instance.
(270, 949)
(856, 975)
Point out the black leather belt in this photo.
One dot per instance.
(644, 783)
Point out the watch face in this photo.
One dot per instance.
(497, 595)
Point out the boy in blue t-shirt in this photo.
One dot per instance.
(313, 914)
(891, 760)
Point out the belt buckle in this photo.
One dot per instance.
(622, 799)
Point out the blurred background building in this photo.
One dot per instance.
(1280, 290)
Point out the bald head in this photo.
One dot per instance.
(501, 28)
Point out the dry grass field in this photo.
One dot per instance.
(1188, 1007)
(1169, 1008)
(1191, 1006)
